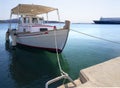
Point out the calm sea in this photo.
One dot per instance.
(30, 68)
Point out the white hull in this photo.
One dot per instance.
(44, 40)
(32, 30)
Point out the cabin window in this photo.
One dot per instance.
(41, 20)
(26, 20)
(34, 20)
(20, 20)
(24, 30)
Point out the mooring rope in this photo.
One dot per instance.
(57, 55)
(66, 76)
(96, 37)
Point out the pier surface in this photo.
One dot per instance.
(106, 74)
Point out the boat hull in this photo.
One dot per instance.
(106, 22)
(44, 40)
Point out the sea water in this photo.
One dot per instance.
(31, 68)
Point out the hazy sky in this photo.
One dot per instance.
(73, 10)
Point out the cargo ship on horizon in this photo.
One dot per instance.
(107, 21)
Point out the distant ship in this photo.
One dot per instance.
(107, 21)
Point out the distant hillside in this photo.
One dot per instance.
(1, 21)
(8, 21)
(16, 21)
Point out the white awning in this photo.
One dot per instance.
(31, 9)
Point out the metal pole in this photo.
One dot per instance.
(58, 15)
(47, 17)
(10, 22)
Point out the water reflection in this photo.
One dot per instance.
(7, 47)
(33, 67)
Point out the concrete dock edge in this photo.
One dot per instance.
(106, 74)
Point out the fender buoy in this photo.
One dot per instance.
(54, 27)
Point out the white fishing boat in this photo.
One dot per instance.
(32, 30)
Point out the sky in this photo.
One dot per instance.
(73, 10)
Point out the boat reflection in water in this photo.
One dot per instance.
(33, 68)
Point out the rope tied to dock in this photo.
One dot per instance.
(64, 75)
(96, 37)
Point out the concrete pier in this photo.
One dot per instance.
(106, 74)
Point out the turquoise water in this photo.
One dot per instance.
(31, 68)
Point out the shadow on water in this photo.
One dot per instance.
(30, 67)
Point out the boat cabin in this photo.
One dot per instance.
(33, 24)
(30, 20)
